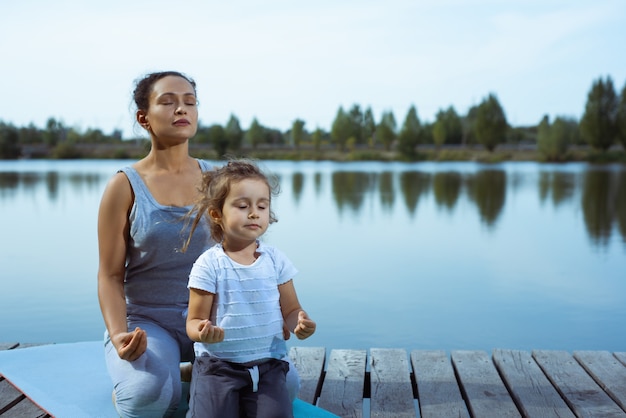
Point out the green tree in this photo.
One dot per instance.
(491, 125)
(30, 135)
(234, 133)
(93, 136)
(274, 137)
(66, 150)
(468, 124)
(369, 126)
(54, 132)
(621, 118)
(553, 140)
(453, 125)
(439, 130)
(202, 135)
(297, 132)
(386, 130)
(341, 129)
(427, 133)
(357, 120)
(409, 136)
(316, 138)
(599, 122)
(9, 142)
(217, 136)
(448, 128)
(255, 134)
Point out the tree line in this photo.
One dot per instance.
(602, 125)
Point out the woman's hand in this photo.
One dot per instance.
(209, 333)
(130, 345)
(305, 327)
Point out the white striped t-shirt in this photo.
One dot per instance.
(246, 303)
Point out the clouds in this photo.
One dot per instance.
(283, 60)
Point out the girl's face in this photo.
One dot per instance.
(173, 111)
(246, 212)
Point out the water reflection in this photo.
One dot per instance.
(414, 185)
(487, 189)
(603, 204)
(599, 193)
(297, 185)
(52, 181)
(386, 190)
(620, 203)
(317, 181)
(559, 186)
(447, 189)
(351, 188)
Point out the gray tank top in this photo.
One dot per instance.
(157, 271)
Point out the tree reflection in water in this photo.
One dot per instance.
(601, 190)
(603, 204)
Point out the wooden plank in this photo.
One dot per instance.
(607, 371)
(14, 404)
(309, 362)
(391, 390)
(8, 394)
(531, 390)
(484, 391)
(580, 391)
(342, 392)
(621, 357)
(438, 391)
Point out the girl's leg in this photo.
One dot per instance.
(271, 400)
(293, 380)
(215, 388)
(149, 386)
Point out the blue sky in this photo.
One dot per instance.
(281, 60)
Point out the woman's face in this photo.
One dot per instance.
(173, 111)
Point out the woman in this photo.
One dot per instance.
(142, 274)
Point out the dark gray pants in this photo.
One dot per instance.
(224, 389)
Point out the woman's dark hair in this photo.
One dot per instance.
(143, 87)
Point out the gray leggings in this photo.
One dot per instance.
(230, 390)
(150, 386)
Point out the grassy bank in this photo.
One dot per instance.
(136, 150)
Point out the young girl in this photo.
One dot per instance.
(240, 294)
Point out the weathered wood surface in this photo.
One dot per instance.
(437, 388)
(342, 391)
(391, 393)
(582, 394)
(604, 368)
(486, 394)
(310, 364)
(509, 383)
(530, 388)
(428, 383)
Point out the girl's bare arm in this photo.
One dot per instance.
(296, 319)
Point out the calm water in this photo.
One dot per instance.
(427, 255)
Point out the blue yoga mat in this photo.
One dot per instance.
(70, 380)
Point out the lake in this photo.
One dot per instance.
(444, 256)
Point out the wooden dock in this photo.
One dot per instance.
(425, 383)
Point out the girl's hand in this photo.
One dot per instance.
(130, 345)
(209, 333)
(305, 327)
(286, 332)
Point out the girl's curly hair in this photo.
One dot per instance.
(216, 185)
